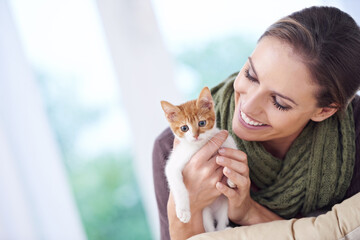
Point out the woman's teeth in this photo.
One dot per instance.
(250, 122)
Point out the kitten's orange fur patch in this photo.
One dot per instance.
(191, 113)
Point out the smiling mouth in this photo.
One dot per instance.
(250, 122)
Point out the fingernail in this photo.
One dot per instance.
(219, 159)
(221, 150)
(227, 170)
(219, 185)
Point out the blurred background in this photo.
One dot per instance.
(80, 89)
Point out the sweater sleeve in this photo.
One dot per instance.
(161, 151)
(342, 222)
(355, 181)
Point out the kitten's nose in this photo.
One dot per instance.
(196, 137)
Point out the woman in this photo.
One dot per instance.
(296, 121)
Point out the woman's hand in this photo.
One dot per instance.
(243, 210)
(236, 169)
(200, 176)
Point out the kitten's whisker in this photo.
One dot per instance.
(214, 142)
(211, 140)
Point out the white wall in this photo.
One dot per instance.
(145, 72)
(35, 202)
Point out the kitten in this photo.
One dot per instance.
(194, 124)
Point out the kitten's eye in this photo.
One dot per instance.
(202, 123)
(184, 128)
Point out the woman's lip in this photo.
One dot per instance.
(241, 120)
(251, 119)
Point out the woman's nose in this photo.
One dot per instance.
(251, 102)
(250, 95)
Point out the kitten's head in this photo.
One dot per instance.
(192, 120)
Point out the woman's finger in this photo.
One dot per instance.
(235, 165)
(224, 189)
(242, 182)
(211, 163)
(218, 176)
(233, 154)
(211, 147)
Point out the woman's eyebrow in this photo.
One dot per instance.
(285, 97)
(276, 93)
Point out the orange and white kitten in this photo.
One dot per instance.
(194, 124)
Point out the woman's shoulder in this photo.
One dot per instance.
(355, 181)
(164, 142)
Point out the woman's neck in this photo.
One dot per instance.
(279, 147)
(276, 149)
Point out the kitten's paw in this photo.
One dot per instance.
(183, 215)
(231, 184)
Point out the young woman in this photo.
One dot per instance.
(294, 113)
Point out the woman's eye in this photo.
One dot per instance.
(279, 106)
(184, 128)
(202, 123)
(248, 76)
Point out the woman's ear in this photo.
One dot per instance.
(325, 112)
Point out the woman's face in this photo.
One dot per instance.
(274, 95)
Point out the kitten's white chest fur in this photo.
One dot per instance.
(217, 211)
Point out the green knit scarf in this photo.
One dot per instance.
(316, 171)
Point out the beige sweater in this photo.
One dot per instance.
(342, 222)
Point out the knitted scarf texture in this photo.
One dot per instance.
(316, 171)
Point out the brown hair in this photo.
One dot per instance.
(328, 41)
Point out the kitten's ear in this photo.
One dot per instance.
(170, 110)
(205, 99)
